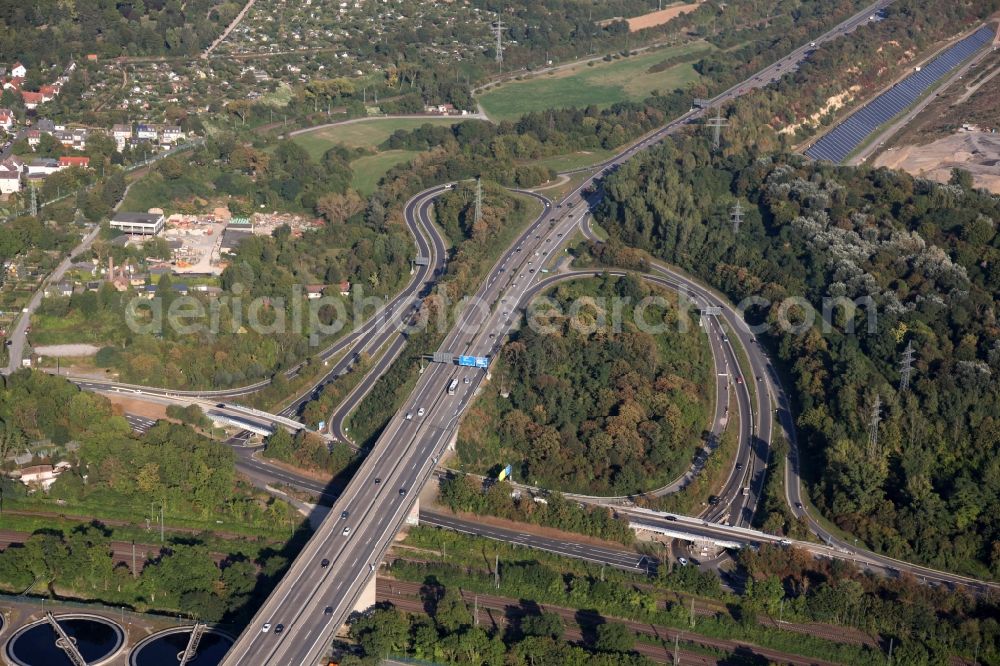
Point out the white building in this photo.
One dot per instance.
(42, 167)
(10, 176)
(146, 132)
(146, 224)
(41, 476)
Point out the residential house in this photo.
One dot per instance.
(6, 119)
(314, 291)
(147, 132)
(32, 99)
(75, 138)
(171, 134)
(121, 134)
(18, 71)
(344, 288)
(64, 289)
(70, 161)
(34, 138)
(10, 176)
(40, 476)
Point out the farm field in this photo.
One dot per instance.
(603, 84)
(366, 134)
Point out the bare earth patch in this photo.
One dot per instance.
(150, 410)
(659, 17)
(76, 349)
(976, 152)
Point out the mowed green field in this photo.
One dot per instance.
(365, 134)
(603, 84)
(369, 170)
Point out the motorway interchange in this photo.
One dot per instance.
(314, 599)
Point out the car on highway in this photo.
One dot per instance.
(467, 380)
(347, 530)
(714, 499)
(266, 628)
(409, 416)
(378, 480)
(420, 412)
(682, 561)
(324, 563)
(328, 610)
(344, 515)
(798, 505)
(739, 466)
(739, 380)
(402, 492)
(278, 629)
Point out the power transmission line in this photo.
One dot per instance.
(717, 123)
(906, 367)
(479, 201)
(873, 427)
(736, 214)
(499, 54)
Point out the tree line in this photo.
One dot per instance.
(448, 634)
(467, 493)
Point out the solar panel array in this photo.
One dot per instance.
(843, 139)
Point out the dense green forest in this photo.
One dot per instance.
(929, 257)
(51, 31)
(591, 408)
(183, 576)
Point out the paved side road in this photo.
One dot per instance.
(18, 336)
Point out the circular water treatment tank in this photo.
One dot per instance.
(164, 648)
(96, 638)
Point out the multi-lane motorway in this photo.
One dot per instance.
(312, 600)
